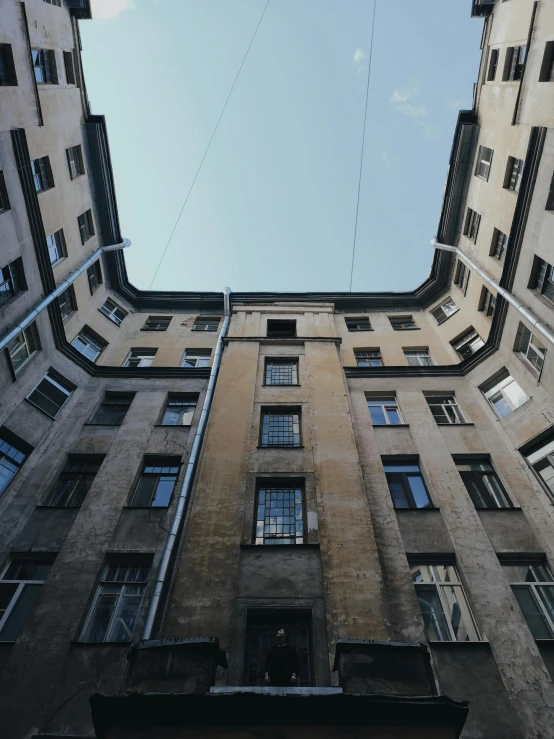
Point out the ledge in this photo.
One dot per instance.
(460, 644)
(278, 547)
(283, 339)
(448, 425)
(391, 425)
(259, 690)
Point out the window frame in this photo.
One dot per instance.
(403, 323)
(13, 276)
(20, 447)
(387, 403)
(207, 323)
(487, 303)
(21, 584)
(461, 276)
(31, 341)
(403, 478)
(541, 453)
(77, 477)
(69, 67)
(467, 339)
(496, 385)
(550, 197)
(170, 462)
(371, 357)
(58, 382)
(421, 352)
(70, 300)
(477, 478)
(295, 412)
(111, 313)
(189, 400)
(293, 362)
(94, 276)
(471, 224)
(514, 63)
(89, 337)
(75, 161)
(353, 323)
(41, 172)
(457, 418)
(525, 337)
(514, 173)
(493, 65)
(112, 395)
(542, 278)
(85, 224)
(143, 355)
(499, 245)
(4, 199)
(483, 165)
(444, 315)
(202, 355)
(532, 586)
(45, 61)
(298, 487)
(55, 243)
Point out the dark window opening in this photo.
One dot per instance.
(515, 60)
(113, 409)
(67, 302)
(7, 67)
(406, 485)
(482, 483)
(547, 66)
(157, 323)
(69, 70)
(4, 200)
(12, 280)
(13, 454)
(358, 324)
(86, 225)
(42, 174)
(205, 323)
(471, 226)
(94, 274)
(20, 587)
(281, 329)
(74, 481)
(44, 65)
(493, 65)
(156, 482)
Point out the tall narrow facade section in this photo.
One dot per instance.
(183, 475)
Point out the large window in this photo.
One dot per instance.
(402, 323)
(156, 483)
(504, 394)
(20, 587)
(419, 357)
(540, 456)
(488, 303)
(75, 160)
(157, 323)
(42, 174)
(140, 358)
(443, 311)
(113, 311)
(22, 348)
(4, 199)
(358, 324)
(13, 453)
(115, 607)
(542, 278)
(406, 484)
(461, 276)
(113, 409)
(12, 280)
(499, 245)
(281, 329)
(7, 67)
(280, 427)
(51, 394)
(493, 65)
(86, 225)
(444, 408)
(281, 372)
(443, 604)
(530, 348)
(471, 226)
(196, 358)
(57, 249)
(279, 513)
(514, 172)
(513, 65)
(75, 480)
(368, 357)
(533, 587)
(484, 161)
(384, 410)
(179, 410)
(89, 344)
(67, 302)
(482, 483)
(69, 68)
(44, 65)
(94, 275)
(206, 323)
(547, 66)
(468, 343)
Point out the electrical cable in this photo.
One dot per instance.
(363, 144)
(209, 142)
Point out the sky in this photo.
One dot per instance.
(274, 204)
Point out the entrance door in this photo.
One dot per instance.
(260, 637)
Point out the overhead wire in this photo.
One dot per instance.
(363, 144)
(210, 142)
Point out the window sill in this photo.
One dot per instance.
(460, 644)
(270, 384)
(419, 510)
(172, 426)
(414, 328)
(158, 330)
(359, 330)
(278, 446)
(391, 425)
(108, 425)
(57, 507)
(80, 643)
(307, 545)
(145, 507)
(446, 425)
(57, 262)
(510, 508)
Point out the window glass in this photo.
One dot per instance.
(196, 358)
(12, 457)
(504, 394)
(533, 587)
(406, 485)
(280, 428)
(155, 485)
(179, 411)
(482, 484)
(281, 372)
(279, 516)
(74, 482)
(384, 410)
(19, 590)
(50, 395)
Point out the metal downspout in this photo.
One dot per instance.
(186, 486)
(540, 327)
(30, 317)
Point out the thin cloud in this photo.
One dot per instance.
(405, 100)
(109, 9)
(455, 104)
(358, 58)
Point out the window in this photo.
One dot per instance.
(67, 303)
(89, 344)
(196, 358)
(550, 199)
(12, 280)
(279, 513)
(471, 226)
(406, 485)
(113, 311)
(419, 357)
(57, 3)
(94, 274)
(280, 427)
(86, 225)
(482, 484)
(42, 174)
(514, 171)
(540, 455)
(444, 310)
(157, 323)
(515, 59)
(179, 410)
(487, 303)
(543, 278)
(533, 586)
(281, 371)
(281, 329)
(493, 65)
(156, 483)
(358, 324)
(445, 409)
(528, 346)
(402, 323)
(461, 276)
(504, 394)
(4, 200)
(13, 453)
(19, 591)
(69, 70)
(44, 65)
(113, 409)
(499, 245)
(22, 348)
(140, 358)
(204, 323)
(74, 481)
(444, 607)
(7, 67)
(547, 66)
(115, 607)
(51, 394)
(75, 160)
(57, 249)
(368, 358)
(468, 343)
(484, 160)
(384, 410)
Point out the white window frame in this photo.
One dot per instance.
(532, 586)
(180, 402)
(386, 403)
(16, 595)
(111, 313)
(206, 323)
(399, 323)
(451, 410)
(56, 245)
(91, 342)
(30, 338)
(419, 354)
(444, 310)
(368, 356)
(470, 339)
(499, 388)
(145, 356)
(526, 343)
(483, 165)
(75, 161)
(48, 377)
(200, 360)
(534, 458)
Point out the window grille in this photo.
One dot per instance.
(280, 428)
(369, 358)
(74, 481)
(281, 372)
(443, 311)
(280, 515)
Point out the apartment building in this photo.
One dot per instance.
(182, 474)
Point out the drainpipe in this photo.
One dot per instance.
(186, 486)
(540, 327)
(30, 317)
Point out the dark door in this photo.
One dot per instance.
(260, 637)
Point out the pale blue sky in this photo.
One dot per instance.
(273, 207)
